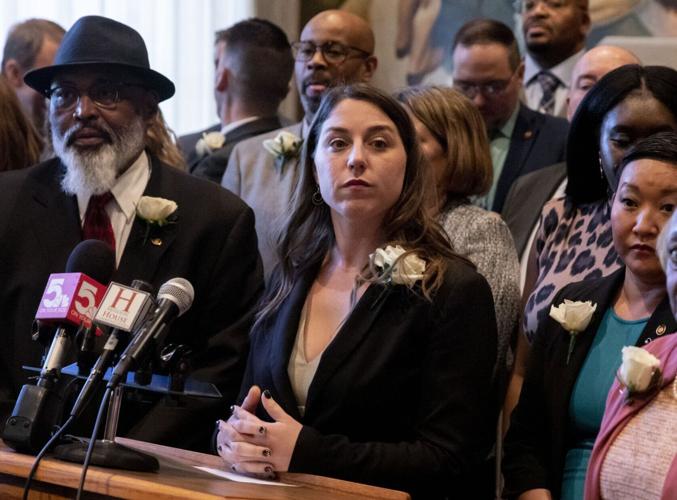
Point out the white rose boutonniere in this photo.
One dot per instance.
(209, 143)
(639, 372)
(397, 267)
(156, 212)
(284, 146)
(574, 316)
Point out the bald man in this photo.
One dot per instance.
(530, 192)
(336, 47)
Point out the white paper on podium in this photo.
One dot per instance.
(232, 476)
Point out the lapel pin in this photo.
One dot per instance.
(156, 241)
(660, 330)
(528, 134)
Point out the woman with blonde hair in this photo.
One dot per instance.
(20, 143)
(453, 138)
(375, 344)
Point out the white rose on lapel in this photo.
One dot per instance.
(402, 269)
(638, 370)
(574, 316)
(156, 211)
(284, 145)
(209, 142)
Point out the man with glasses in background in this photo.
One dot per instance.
(489, 71)
(554, 34)
(336, 47)
(103, 97)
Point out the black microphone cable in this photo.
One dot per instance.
(92, 441)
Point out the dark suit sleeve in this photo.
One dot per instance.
(237, 283)
(453, 424)
(526, 453)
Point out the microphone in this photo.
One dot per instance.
(68, 304)
(122, 308)
(174, 298)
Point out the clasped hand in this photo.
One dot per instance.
(252, 446)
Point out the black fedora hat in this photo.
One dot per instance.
(99, 41)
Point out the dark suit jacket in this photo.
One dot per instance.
(213, 166)
(540, 432)
(212, 245)
(537, 141)
(402, 396)
(187, 143)
(525, 200)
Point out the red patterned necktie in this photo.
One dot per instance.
(97, 225)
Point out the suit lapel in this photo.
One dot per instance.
(283, 338)
(55, 215)
(250, 129)
(522, 140)
(348, 338)
(604, 297)
(146, 245)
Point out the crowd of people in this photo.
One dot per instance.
(407, 290)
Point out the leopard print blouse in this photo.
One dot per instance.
(573, 243)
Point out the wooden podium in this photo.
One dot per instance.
(177, 478)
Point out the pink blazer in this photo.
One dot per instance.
(618, 414)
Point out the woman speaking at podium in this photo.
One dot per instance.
(374, 345)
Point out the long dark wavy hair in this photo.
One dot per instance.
(308, 234)
(585, 181)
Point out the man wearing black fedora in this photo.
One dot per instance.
(102, 97)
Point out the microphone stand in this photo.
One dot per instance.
(107, 452)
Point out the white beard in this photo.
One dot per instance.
(92, 172)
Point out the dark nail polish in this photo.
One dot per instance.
(266, 394)
(220, 448)
(232, 409)
(232, 467)
(262, 430)
(268, 469)
(266, 453)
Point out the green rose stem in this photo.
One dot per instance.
(572, 342)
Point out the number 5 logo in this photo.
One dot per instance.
(87, 306)
(58, 299)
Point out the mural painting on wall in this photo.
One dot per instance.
(413, 37)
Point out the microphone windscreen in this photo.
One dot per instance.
(179, 291)
(94, 258)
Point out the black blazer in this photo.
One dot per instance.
(212, 166)
(402, 396)
(213, 245)
(540, 432)
(187, 143)
(537, 141)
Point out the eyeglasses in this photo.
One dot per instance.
(104, 95)
(528, 5)
(333, 52)
(489, 89)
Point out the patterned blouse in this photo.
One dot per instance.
(483, 238)
(573, 243)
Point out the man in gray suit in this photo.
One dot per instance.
(336, 47)
(252, 69)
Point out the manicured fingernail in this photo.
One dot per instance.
(266, 394)
(268, 469)
(220, 448)
(266, 453)
(262, 430)
(232, 467)
(232, 409)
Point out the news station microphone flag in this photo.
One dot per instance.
(69, 302)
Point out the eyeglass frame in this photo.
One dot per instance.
(118, 86)
(323, 47)
(483, 88)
